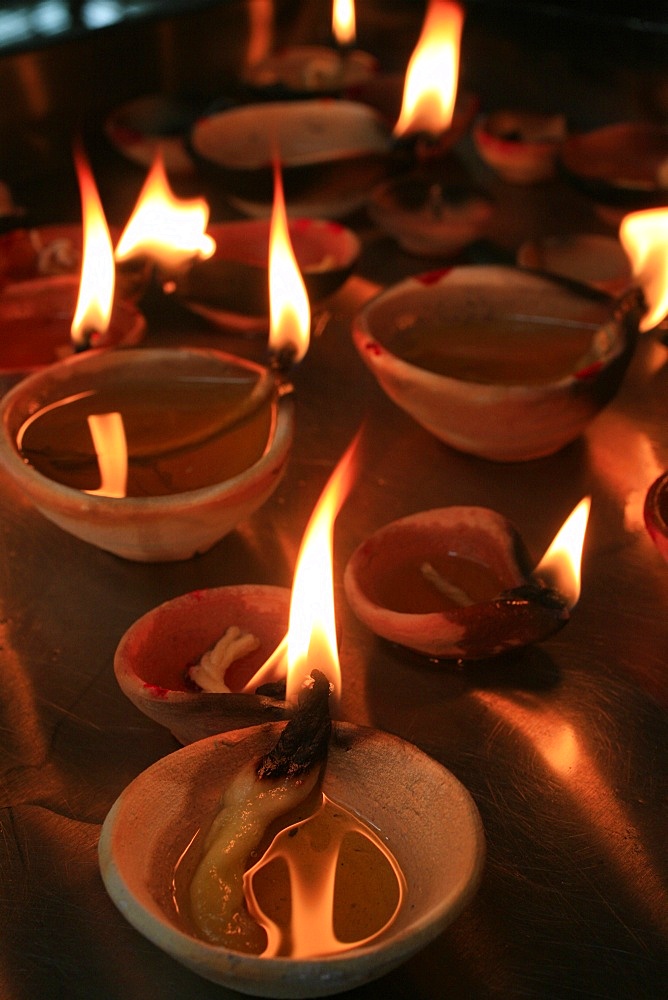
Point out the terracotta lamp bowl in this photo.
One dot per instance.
(449, 583)
(152, 659)
(207, 438)
(426, 817)
(521, 147)
(497, 362)
(232, 287)
(656, 513)
(589, 258)
(36, 316)
(331, 153)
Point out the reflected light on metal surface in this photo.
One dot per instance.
(565, 753)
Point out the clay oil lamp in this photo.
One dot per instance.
(656, 513)
(40, 319)
(520, 146)
(621, 167)
(431, 208)
(205, 436)
(231, 287)
(147, 126)
(457, 582)
(497, 362)
(331, 154)
(317, 70)
(589, 258)
(213, 835)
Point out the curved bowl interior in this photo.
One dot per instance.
(224, 469)
(656, 513)
(522, 147)
(498, 362)
(153, 657)
(589, 258)
(426, 816)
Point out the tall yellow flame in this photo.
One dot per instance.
(644, 236)
(289, 308)
(560, 567)
(98, 275)
(344, 26)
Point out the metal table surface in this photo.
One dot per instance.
(563, 745)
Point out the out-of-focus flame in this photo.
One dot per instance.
(311, 858)
(108, 434)
(289, 309)
(343, 22)
(312, 626)
(432, 76)
(169, 230)
(98, 274)
(644, 236)
(560, 566)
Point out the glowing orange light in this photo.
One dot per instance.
(560, 566)
(312, 626)
(289, 309)
(111, 448)
(644, 236)
(98, 275)
(312, 874)
(343, 21)
(169, 230)
(432, 76)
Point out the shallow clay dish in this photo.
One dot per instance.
(495, 361)
(589, 258)
(448, 583)
(153, 657)
(426, 817)
(331, 153)
(152, 528)
(232, 287)
(656, 513)
(147, 125)
(520, 146)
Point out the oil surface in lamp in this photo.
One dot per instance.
(183, 433)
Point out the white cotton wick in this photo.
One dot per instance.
(209, 673)
(451, 590)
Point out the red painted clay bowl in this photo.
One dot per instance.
(521, 147)
(497, 362)
(153, 657)
(426, 817)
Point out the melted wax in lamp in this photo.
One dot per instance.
(183, 433)
(282, 870)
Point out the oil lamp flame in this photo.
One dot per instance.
(560, 566)
(644, 236)
(108, 434)
(312, 873)
(312, 624)
(167, 229)
(430, 88)
(98, 276)
(343, 22)
(289, 309)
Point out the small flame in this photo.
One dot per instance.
(343, 22)
(111, 448)
(167, 229)
(644, 236)
(560, 566)
(312, 626)
(289, 309)
(432, 76)
(98, 275)
(310, 849)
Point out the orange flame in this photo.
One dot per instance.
(560, 566)
(111, 448)
(432, 76)
(312, 859)
(168, 229)
(289, 309)
(343, 21)
(98, 275)
(644, 236)
(312, 626)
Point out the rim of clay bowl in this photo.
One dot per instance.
(175, 634)
(654, 513)
(442, 857)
